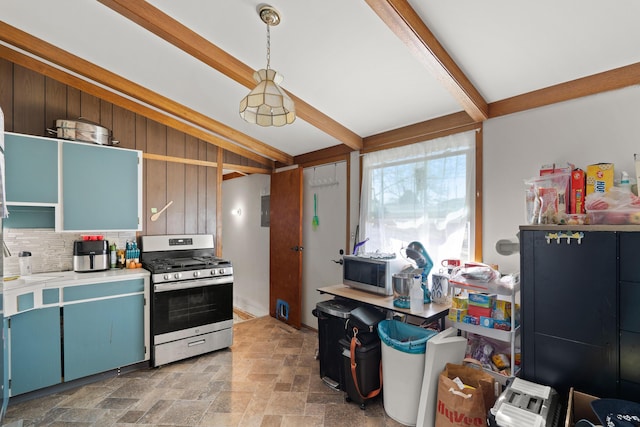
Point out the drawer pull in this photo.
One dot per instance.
(191, 344)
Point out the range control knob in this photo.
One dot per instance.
(221, 271)
(196, 274)
(166, 276)
(213, 272)
(178, 276)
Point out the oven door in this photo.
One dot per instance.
(180, 306)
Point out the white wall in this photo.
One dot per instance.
(245, 243)
(594, 129)
(599, 128)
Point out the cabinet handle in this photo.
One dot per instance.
(191, 344)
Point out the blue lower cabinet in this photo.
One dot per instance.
(103, 335)
(35, 350)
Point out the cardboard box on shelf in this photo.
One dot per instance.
(599, 177)
(579, 408)
(481, 299)
(472, 320)
(504, 325)
(502, 310)
(477, 311)
(457, 314)
(460, 302)
(487, 322)
(578, 182)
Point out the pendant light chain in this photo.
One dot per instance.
(268, 46)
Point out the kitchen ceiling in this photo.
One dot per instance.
(355, 68)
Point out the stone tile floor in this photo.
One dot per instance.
(268, 377)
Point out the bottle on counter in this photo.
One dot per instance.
(120, 258)
(625, 183)
(416, 301)
(113, 257)
(25, 263)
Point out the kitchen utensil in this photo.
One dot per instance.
(83, 130)
(315, 222)
(156, 215)
(25, 263)
(449, 263)
(402, 283)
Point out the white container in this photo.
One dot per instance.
(25, 263)
(402, 375)
(417, 296)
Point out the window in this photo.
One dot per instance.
(421, 192)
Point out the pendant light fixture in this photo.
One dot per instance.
(268, 104)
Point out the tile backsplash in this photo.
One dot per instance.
(50, 251)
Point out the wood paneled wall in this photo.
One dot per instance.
(32, 103)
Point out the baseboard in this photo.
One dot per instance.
(243, 314)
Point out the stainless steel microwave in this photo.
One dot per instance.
(371, 273)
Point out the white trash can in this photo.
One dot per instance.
(403, 356)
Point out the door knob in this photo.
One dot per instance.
(339, 261)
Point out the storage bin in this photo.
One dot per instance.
(367, 358)
(403, 358)
(333, 316)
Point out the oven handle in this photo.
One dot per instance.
(188, 284)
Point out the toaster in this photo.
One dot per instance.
(524, 403)
(90, 255)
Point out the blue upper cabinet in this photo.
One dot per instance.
(31, 169)
(101, 188)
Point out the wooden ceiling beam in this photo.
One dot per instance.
(409, 27)
(617, 78)
(418, 132)
(240, 169)
(325, 155)
(68, 61)
(182, 37)
(33, 64)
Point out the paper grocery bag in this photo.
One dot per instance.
(466, 407)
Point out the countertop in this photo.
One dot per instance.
(37, 283)
(582, 227)
(430, 312)
(53, 279)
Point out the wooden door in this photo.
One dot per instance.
(285, 235)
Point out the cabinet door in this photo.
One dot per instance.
(569, 311)
(101, 188)
(35, 350)
(629, 318)
(103, 335)
(31, 169)
(630, 257)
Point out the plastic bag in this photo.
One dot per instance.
(616, 206)
(546, 198)
(484, 278)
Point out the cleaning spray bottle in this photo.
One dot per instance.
(113, 258)
(416, 302)
(625, 184)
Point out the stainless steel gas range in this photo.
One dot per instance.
(191, 296)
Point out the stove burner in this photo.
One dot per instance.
(161, 265)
